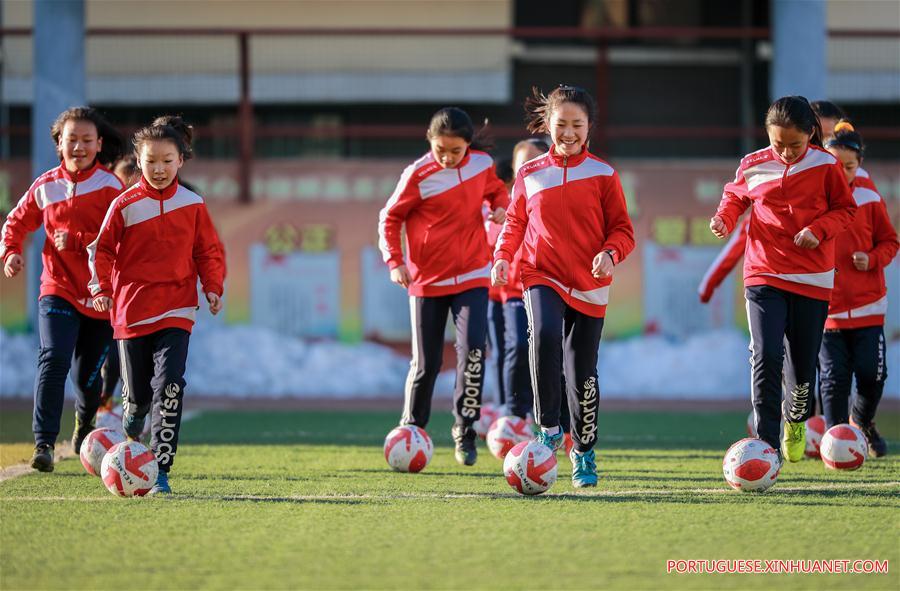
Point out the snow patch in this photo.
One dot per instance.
(243, 361)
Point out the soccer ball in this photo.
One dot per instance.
(110, 419)
(844, 447)
(530, 467)
(505, 433)
(751, 426)
(408, 449)
(129, 469)
(95, 446)
(751, 465)
(815, 429)
(489, 414)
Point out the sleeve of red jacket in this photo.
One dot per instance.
(618, 231)
(735, 200)
(513, 231)
(83, 239)
(495, 192)
(26, 217)
(841, 205)
(405, 198)
(209, 254)
(102, 252)
(726, 260)
(884, 236)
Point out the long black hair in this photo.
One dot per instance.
(454, 122)
(113, 145)
(539, 106)
(170, 128)
(795, 111)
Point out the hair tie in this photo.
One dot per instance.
(843, 125)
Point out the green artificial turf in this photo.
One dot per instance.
(286, 500)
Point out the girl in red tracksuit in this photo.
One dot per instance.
(801, 201)
(70, 201)
(156, 239)
(446, 267)
(568, 214)
(853, 344)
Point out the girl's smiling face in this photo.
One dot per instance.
(79, 144)
(568, 126)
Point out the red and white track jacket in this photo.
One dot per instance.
(859, 298)
(150, 251)
(726, 260)
(74, 202)
(564, 212)
(446, 245)
(810, 193)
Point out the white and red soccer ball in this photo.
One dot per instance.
(530, 467)
(844, 447)
(815, 430)
(408, 448)
(751, 465)
(489, 414)
(129, 469)
(506, 432)
(95, 446)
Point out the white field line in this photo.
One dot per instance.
(64, 451)
(599, 494)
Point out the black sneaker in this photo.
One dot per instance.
(42, 460)
(464, 438)
(877, 444)
(82, 430)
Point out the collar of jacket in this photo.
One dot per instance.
(159, 195)
(571, 160)
(796, 161)
(79, 175)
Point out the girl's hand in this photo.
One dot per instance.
(718, 227)
(500, 273)
(602, 265)
(806, 239)
(400, 275)
(498, 216)
(102, 303)
(60, 239)
(861, 261)
(14, 264)
(215, 303)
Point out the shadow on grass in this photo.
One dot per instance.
(426, 473)
(237, 478)
(269, 500)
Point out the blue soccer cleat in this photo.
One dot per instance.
(584, 469)
(162, 485)
(554, 442)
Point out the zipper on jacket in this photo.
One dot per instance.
(459, 252)
(565, 181)
(162, 218)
